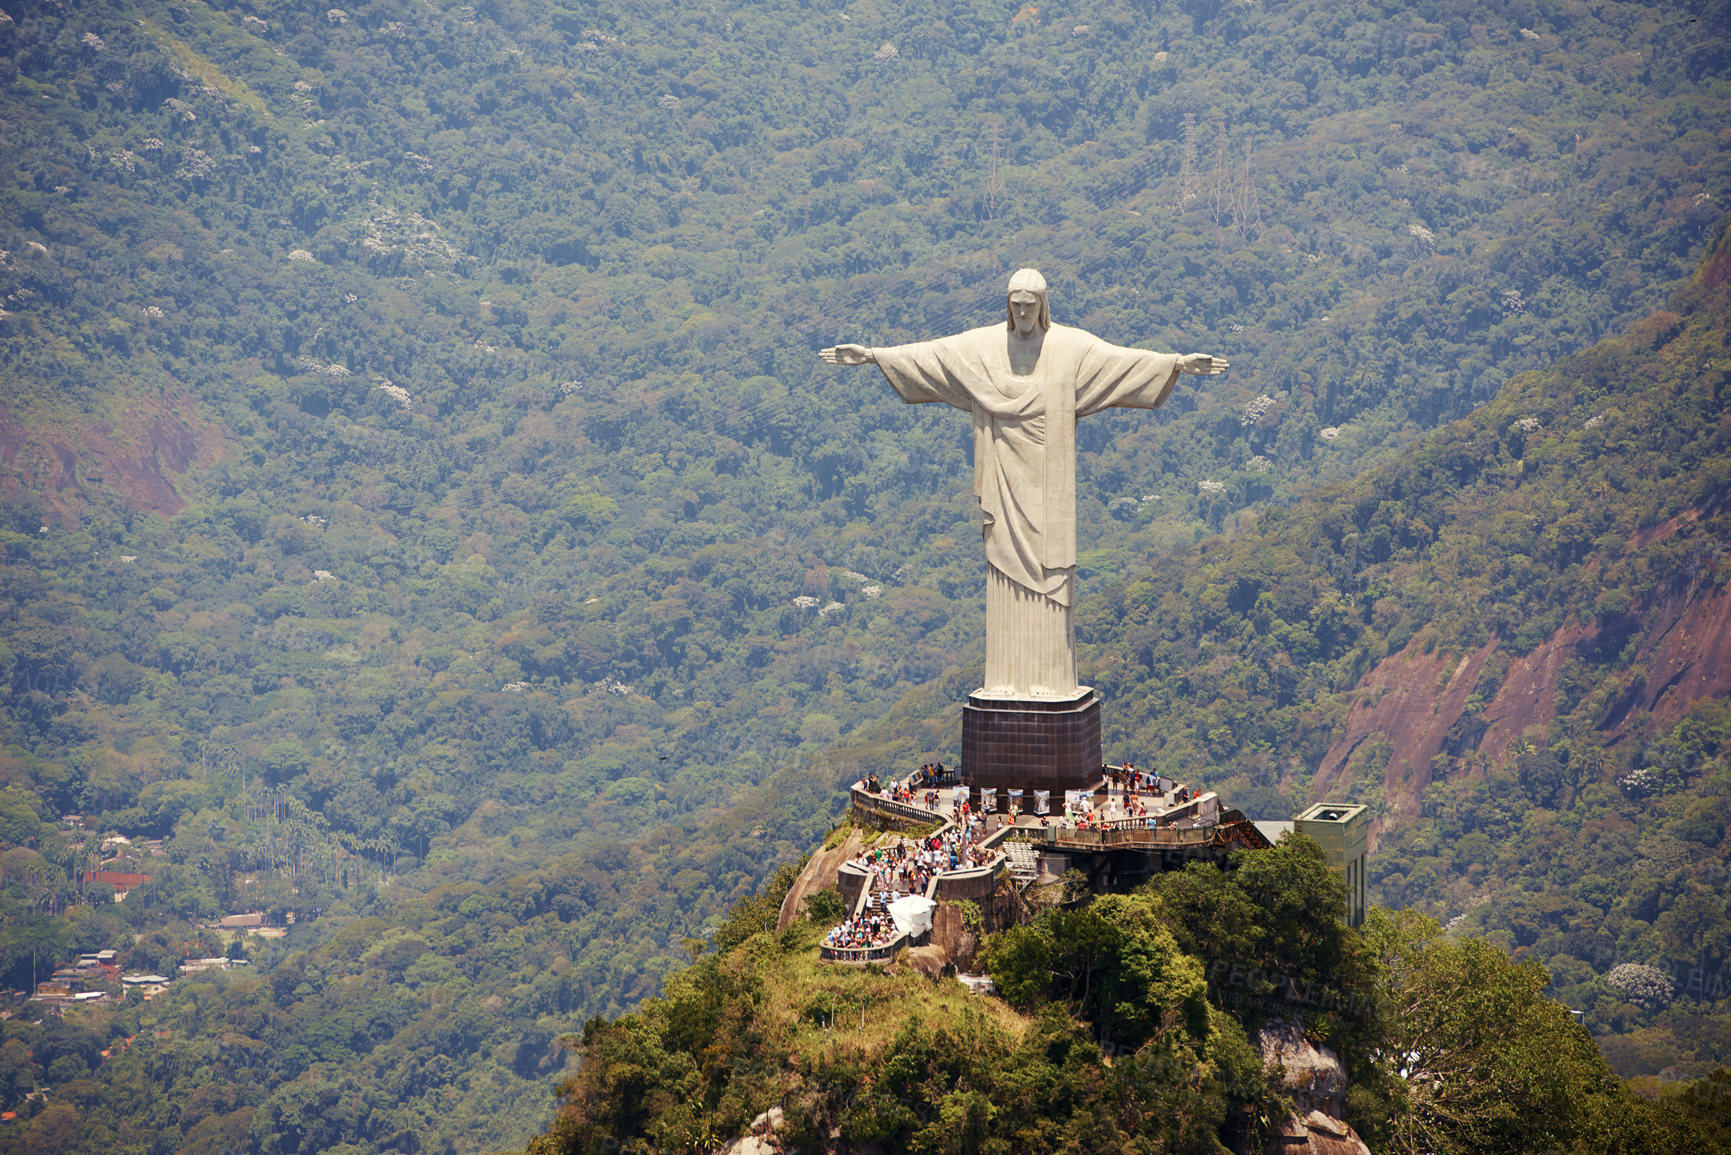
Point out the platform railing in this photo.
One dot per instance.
(860, 955)
(885, 806)
(1124, 833)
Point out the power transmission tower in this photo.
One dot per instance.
(1189, 183)
(994, 175)
(1220, 200)
(1247, 206)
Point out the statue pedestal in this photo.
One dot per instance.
(1032, 743)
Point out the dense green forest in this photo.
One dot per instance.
(1586, 503)
(424, 510)
(1140, 1019)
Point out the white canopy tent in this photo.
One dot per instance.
(913, 914)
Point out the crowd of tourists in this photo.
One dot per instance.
(907, 865)
(867, 930)
(925, 788)
(1113, 814)
(932, 774)
(1126, 787)
(903, 867)
(1125, 804)
(1127, 779)
(1132, 798)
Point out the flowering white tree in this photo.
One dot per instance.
(1642, 985)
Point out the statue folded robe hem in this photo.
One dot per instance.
(1026, 383)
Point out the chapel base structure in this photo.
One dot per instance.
(1032, 744)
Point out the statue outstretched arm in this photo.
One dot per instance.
(919, 373)
(1111, 376)
(848, 355)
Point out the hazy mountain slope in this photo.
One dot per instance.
(1511, 643)
(421, 408)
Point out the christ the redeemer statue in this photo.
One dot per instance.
(1026, 383)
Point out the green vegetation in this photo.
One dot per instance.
(1130, 1041)
(413, 458)
(1585, 502)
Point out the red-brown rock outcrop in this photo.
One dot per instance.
(139, 454)
(1414, 698)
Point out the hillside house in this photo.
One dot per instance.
(123, 882)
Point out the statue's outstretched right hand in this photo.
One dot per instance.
(847, 355)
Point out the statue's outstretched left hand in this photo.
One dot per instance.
(1201, 364)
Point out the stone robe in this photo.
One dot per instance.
(1025, 475)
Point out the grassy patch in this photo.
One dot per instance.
(820, 1009)
(208, 73)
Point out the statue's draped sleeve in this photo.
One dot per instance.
(929, 371)
(1088, 375)
(1110, 375)
(958, 371)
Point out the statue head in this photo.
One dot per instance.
(1028, 287)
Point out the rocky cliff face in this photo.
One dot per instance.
(138, 451)
(819, 872)
(1422, 703)
(1314, 1079)
(1411, 698)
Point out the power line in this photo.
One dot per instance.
(994, 175)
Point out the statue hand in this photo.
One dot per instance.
(1201, 364)
(848, 355)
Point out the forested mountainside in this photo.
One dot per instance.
(1534, 594)
(1209, 1011)
(424, 511)
(1511, 643)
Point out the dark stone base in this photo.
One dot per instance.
(1032, 744)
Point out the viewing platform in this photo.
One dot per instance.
(964, 845)
(861, 955)
(1175, 816)
(872, 884)
(1115, 835)
(1107, 839)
